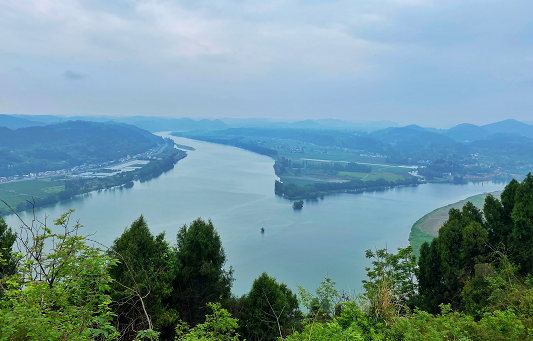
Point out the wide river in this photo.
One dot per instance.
(235, 189)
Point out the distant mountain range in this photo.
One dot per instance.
(185, 124)
(152, 124)
(466, 132)
(13, 122)
(382, 130)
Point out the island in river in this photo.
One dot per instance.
(234, 188)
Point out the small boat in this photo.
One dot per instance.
(262, 230)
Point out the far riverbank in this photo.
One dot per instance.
(427, 227)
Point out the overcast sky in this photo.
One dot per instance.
(410, 61)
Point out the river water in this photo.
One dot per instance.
(235, 189)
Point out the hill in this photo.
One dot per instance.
(152, 124)
(155, 124)
(467, 132)
(69, 144)
(13, 122)
(510, 126)
(407, 140)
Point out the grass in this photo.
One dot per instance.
(427, 227)
(16, 192)
(394, 169)
(418, 237)
(298, 181)
(355, 175)
(372, 176)
(334, 156)
(383, 175)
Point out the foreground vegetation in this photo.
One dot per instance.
(473, 282)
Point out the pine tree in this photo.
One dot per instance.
(7, 239)
(201, 275)
(146, 270)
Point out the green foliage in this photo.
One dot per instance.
(449, 261)
(497, 224)
(390, 288)
(332, 316)
(60, 289)
(499, 325)
(7, 259)
(315, 190)
(431, 287)
(332, 331)
(271, 310)
(521, 238)
(145, 269)
(201, 275)
(417, 237)
(462, 262)
(323, 302)
(218, 326)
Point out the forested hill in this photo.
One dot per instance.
(69, 144)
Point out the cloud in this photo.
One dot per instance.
(71, 75)
(376, 58)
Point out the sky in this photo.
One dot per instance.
(429, 62)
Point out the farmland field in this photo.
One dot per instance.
(18, 192)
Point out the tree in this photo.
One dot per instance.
(430, 281)
(201, 275)
(521, 238)
(7, 260)
(59, 291)
(454, 250)
(143, 280)
(497, 227)
(218, 326)
(390, 287)
(272, 310)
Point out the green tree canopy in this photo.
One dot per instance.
(59, 291)
(467, 242)
(7, 239)
(272, 310)
(521, 238)
(201, 275)
(145, 269)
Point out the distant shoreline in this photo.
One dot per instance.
(427, 227)
(80, 186)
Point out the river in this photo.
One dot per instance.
(235, 189)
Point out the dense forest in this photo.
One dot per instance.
(66, 145)
(472, 282)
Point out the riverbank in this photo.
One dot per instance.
(233, 188)
(32, 194)
(310, 179)
(427, 227)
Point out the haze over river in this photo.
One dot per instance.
(235, 189)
